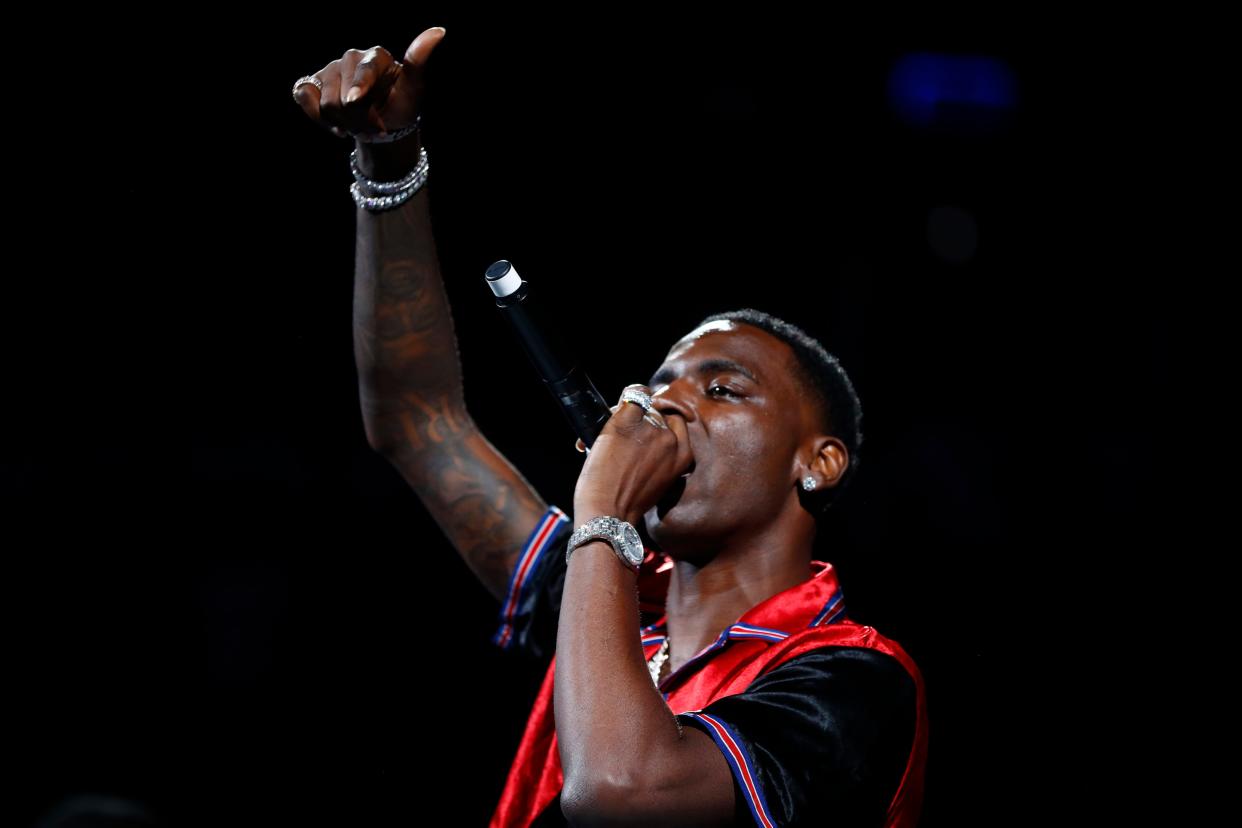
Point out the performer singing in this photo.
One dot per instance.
(752, 698)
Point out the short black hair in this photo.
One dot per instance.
(821, 375)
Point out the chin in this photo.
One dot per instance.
(675, 531)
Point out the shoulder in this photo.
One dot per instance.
(847, 645)
(841, 658)
(866, 679)
(846, 688)
(823, 736)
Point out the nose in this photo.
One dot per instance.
(667, 401)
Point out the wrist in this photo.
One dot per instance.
(609, 532)
(585, 512)
(388, 162)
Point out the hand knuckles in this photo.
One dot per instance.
(348, 62)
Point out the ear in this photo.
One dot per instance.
(825, 459)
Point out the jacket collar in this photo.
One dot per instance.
(812, 603)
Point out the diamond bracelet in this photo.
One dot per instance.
(389, 194)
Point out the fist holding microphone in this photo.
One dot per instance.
(376, 99)
(637, 458)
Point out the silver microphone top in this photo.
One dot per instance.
(502, 278)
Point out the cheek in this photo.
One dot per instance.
(752, 443)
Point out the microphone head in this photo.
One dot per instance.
(502, 278)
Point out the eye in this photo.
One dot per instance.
(728, 391)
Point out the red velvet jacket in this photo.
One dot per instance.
(804, 628)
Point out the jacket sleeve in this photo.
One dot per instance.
(530, 611)
(821, 739)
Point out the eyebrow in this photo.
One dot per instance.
(707, 366)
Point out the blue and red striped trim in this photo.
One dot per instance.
(652, 638)
(832, 612)
(655, 634)
(743, 769)
(545, 531)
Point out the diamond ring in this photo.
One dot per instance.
(635, 396)
(643, 399)
(307, 79)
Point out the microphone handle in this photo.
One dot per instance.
(582, 403)
(577, 397)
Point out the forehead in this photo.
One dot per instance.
(762, 353)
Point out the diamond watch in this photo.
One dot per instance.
(623, 538)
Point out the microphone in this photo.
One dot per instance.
(576, 395)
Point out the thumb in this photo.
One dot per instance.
(420, 49)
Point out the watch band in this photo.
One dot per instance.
(617, 533)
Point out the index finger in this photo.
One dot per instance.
(372, 70)
(651, 415)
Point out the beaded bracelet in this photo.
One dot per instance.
(373, 187)
(376, 196)
(387, 202)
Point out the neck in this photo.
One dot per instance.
(713, 585)
(704, 600)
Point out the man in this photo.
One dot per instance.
(797, 715)
(772, 707)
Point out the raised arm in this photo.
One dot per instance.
(405, 346)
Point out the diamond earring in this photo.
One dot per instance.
(808, 483)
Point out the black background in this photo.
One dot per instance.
(284, 636)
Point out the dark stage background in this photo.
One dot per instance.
(290, 639)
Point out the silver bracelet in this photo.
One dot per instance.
(372, 187)
(390, 137)
(376, 204)
(405, 188)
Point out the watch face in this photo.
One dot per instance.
(633, 543)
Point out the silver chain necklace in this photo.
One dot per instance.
(657, 662)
